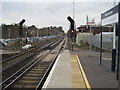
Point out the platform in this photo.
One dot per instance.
(81, 69)
(99, 76)
(67, 72)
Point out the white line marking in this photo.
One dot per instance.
(50, 75)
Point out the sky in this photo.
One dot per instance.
(45, 14)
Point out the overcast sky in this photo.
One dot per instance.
(44, 14)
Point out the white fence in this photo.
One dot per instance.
(107, 42)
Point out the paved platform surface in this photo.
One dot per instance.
(98, 76)
(65, 73)
(81, 69)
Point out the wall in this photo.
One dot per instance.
(81, 38)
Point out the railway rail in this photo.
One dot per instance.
(6, 64)
(33, 74)
(11, 66)
(15, 59)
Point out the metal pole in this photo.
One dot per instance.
(114, 2)
(113, 63)
(118, 41)
(101, 44)
(42, 36)
(9, 33)
(114, 36)
(74, 18)
(90, 38)
(26, 37)
(73, 10)
(114, 30)
(50, 31)
(37, 31)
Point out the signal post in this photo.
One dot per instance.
(71, 31)
(21, 32)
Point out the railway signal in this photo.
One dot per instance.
(21, 23)
(21, 27)
(21, 31)
(71, 31)
(71, 23)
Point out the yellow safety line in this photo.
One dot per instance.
(83, 73)
(77, 77)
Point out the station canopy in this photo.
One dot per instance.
(110, 16)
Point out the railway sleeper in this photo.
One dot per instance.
(37, 72)
(33, 74)
(28, 81)
(31, 78)
(24, 86)
(39, 69)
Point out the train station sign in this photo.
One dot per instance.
(110, 16)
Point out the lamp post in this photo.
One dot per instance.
(91, 22)
(9, 33)
(90, 36)
(42, 36)
(50, 31)
(26, 36)
(37, 32)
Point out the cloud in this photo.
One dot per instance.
(52, 13)
(58, 0)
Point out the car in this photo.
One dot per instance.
(3, 42)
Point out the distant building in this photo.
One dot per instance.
(94, 29)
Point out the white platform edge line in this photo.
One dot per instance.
(50, 75)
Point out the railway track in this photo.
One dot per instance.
(33, 74)
(18, 58)
(29, 50)
(12, 66)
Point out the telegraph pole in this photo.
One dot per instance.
(87, 26)
(73, 10)
(37, 31)
(90, 36)
(9, 33)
